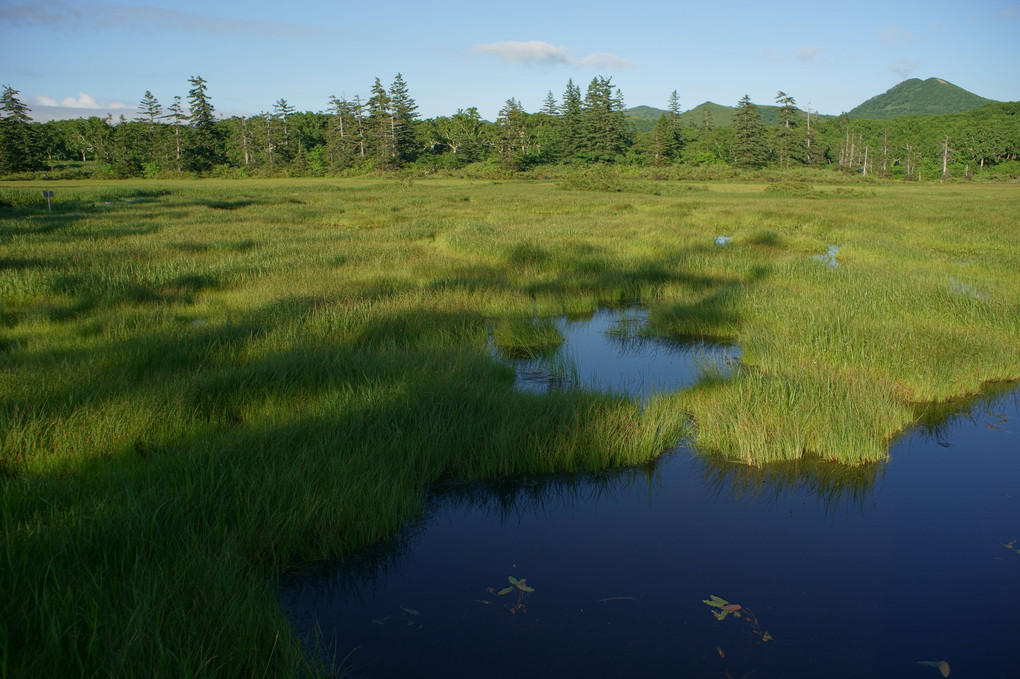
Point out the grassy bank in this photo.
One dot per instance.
(203, 382)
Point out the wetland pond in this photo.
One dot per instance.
(695, 567)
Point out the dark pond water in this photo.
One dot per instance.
(838, 572)
(607, 351)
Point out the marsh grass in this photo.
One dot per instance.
(206, 382)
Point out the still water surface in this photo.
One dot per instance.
(838, 573)
(607, 351)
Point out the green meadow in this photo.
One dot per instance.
(204, 383)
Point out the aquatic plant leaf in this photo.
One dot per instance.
(941, 665)
(410, 611)
(716, 601)
(505, 590)
(766, 636)
(523, 585)
(512, 579)
(731, 607)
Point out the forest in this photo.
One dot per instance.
(385, 132)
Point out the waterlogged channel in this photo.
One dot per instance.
(608, 351)
(695, 567)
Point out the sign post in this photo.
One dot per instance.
(48, 195)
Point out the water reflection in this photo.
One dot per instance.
(622, 562)
(611, 351)
(836, 488)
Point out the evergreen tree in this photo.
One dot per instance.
(404, 120)
(175, 113)
(281, 112)
(18, 147)
(661, 144)
(380, 125)
(204, 148)
(605, 130)
(549, 105)
(571, 132)
(748, 148)
(673, 107)
(149, 111)
(343, 138)
(785, 133)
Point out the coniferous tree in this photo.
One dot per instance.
(343, 138)
(18, 147)
(281, 112)
(661, 142)
(204, 149)
(749, 150)
(404, 120)
(605, 130)
(549, 105)
(785, 132)
(673, 107)
(175, 113)
(380, 125)
(571, 132)
(149, 111)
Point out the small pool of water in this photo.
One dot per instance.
(883, 571)
(607, 351)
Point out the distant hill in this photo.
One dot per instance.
(644, 117)
(933, 96)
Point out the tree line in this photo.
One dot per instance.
(385, 131)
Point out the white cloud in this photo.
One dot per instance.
(83, 100)
(894, 34)
(83, 105)
(539, 52)
(605, 60)
(808, 53)
(532, 51)
(904, 67)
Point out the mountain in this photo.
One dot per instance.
(933, 96)
(717, 115)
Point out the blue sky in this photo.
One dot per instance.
(71, 59)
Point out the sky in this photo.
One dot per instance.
(87, 57)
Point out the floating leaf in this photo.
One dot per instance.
(716, 601)
(731, 607)
(512, 579)
(410, 611)
(722, 653)
(766, 636)
(522, 585)
(941, 665)
(505, 590)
